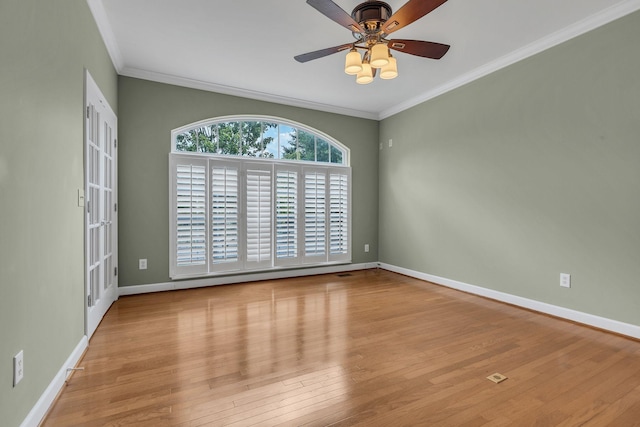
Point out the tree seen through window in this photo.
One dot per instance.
(257, 138)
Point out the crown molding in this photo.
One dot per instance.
(244, 93)
(597, 20)
(104, 27)
(581, 27)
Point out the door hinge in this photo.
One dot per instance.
(89, 301)
(115, 207)
(115, 142)
(115, 271)
(88, 206)
(87, 111)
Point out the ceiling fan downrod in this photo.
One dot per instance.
(371, 15)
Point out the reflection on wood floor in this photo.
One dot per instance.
(372, 348)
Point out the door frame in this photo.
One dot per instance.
(95, 312)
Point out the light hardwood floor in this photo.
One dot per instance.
(372, 348)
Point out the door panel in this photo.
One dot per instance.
(101, 205)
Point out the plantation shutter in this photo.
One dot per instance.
(286, 191)
(339, 215)
(225, 215)
(315, 215)
(188, 215)
(232, 215)
(259, 213)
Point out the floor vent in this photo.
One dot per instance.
(344, 275)
(496, 378)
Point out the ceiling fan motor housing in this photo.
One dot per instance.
(371, 14)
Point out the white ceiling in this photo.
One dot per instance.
(246, 47)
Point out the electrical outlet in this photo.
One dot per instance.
(142, 264)
(391, 143)
(18, 367)
(565, 280)
(366, 247)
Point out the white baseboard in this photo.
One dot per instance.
(554, 310)
(37, 413)
(241, 278)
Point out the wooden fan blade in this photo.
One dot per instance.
(337, 14)
(411, 11)
(419, 48)
(322, 53)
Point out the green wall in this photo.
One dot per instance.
(148, 113)
(529, 172)
(503, 183)
(44, 48)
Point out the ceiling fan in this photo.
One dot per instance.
(371, 22)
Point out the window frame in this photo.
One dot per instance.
(271, 167)
(333, 143)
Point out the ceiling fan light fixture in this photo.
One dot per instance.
(379, 55)
(389, 71)
(353, 62)
(366, 75)
(371, 22)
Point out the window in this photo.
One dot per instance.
(258, 137)
(266, 203)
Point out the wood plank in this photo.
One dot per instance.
(373, 348)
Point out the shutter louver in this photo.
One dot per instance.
(224, 215)
(258, 217)
(315, 211)
(339, 214)
(190, 215)
(286, 216)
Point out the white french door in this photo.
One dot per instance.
(101, 225)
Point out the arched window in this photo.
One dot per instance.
(257, 193)
(261, 137)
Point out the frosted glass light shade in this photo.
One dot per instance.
(379, 55)
(365, 76)
(389, 71)
(353, 62)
